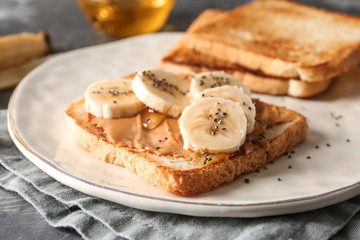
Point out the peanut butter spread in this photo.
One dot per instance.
(149, 131)
(158, 133)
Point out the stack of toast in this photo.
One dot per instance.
(274, 46)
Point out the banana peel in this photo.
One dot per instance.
(19, 54)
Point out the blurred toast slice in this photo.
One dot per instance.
(279, 38)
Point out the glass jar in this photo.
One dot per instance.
(124, 18)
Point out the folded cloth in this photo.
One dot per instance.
(94, 218)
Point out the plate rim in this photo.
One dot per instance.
(14, 134)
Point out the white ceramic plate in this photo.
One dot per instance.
(318, 176)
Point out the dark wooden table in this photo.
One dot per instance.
(69, 30)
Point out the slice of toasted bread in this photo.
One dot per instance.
(282, 130)
(256, 81)
(279, 38)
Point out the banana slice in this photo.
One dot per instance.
(213, 124)
(112, 99)
(205, 80)
(235, 94)
(163, 91)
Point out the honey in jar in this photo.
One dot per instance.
(123, 18)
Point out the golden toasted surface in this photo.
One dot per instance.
(278, 38)
(287, 30)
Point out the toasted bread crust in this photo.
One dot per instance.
(279, 39)
(190, 181)
(347, 59)
(257, 82)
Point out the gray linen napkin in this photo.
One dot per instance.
(95, 218)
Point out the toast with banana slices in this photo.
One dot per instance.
(185, 134)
